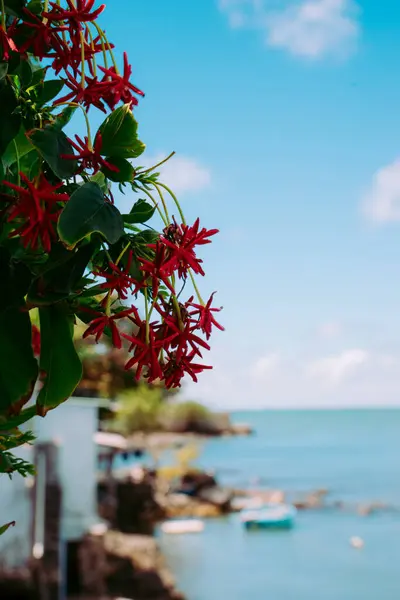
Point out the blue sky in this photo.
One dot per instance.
(285, 117)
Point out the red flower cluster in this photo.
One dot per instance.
(89, 158)
(167, 348)
(171, 345)
(102, 322)
(36, 211)
(176, 251)
(119, 280)
(64, 35)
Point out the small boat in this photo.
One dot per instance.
(272, 516)
(357, 542)
(183, 526)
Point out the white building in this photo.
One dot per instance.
(72, 428)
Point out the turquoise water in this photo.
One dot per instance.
(356, 455)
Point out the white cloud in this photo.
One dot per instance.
(382, 202)
(352, 378)
(266, 366)
(330, 329)
(308, 28)
(181, 173)
(335, 369)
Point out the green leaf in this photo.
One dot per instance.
(35, 7)
(60, 366)
(9, 423)
(38, 76)
(64, 117)
(126, 172)
(147, 236)
(14, 7)
(4, 528)
(100, 179)
(49, 90)
(3, 69)
(30, 164)
(59, 282)
(15, 279)
(18, 367)
(119, 134)
(1, 170)
(52, 143)
(20, 142)
(141, 212)
(9, 122)
(87, 212)
(24, 72)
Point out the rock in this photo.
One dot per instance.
(216, 496)
(134, 508)
(314, 500)
(130, 566)
(241, 429)
(195, 481)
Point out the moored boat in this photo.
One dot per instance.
(183, 526)
(273, 516)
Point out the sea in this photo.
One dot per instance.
(355, 454)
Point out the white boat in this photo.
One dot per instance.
(183, 526)
(278, 516)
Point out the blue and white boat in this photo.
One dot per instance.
(272, 516)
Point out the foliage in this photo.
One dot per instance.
(138, 410)
(66, 251)
(187, 416)
(147, 409)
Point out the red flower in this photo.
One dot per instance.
(206, 318)
(175, 369)
(91, 94)
(155, 269)
(102, 321)
(146, 354)
(43, 37)
(146, 346)
(38, 208)
(6, 44)
(79, 12)
(35, 340)
(119, 280)
(181, 241)
(71, 55)
(119, 87)
(183, 330)
(90, 158)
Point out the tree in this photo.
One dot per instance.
(66, 251)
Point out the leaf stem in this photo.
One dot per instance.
(158, 164)
(82, 37)
(3, 15)
(122, 254)
(18, 163)
(94, 53)
(146, 308)
(142, 189)
(157, 186)
(196, 289)
(175, 199)
(89, 135)
(103, 37)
